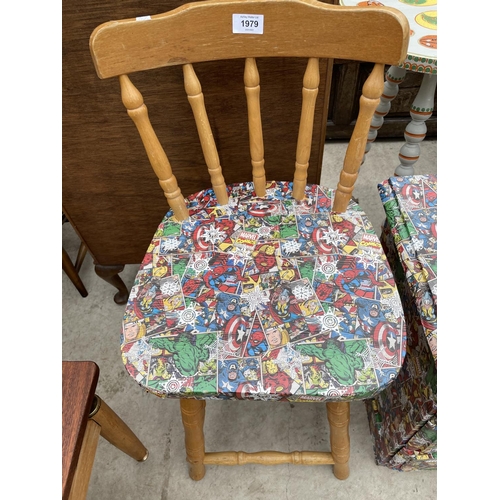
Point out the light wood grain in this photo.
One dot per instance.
(118, 433)
(193, 417)
(292, 28)
(252, 91)
(368, 102)
(338, 418)
(80, 484)
(309, 94)
(268, 458)
(197, 102)
(137, 110)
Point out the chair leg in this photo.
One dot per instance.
(193, 417)
(117, 432)
(338, 418)
(72, 273)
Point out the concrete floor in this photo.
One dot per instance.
(91, 331)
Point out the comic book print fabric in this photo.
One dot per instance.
(264, 298)
(410, 205)
(403, 417)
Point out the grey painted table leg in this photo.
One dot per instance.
(421, 110)
(394, 76)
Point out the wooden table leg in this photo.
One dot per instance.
(193, 417)
(82, 252)
(116, 431)
(421, 111)
(338, 418)
(72, 273)
(110, 274)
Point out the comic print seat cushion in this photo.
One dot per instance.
(264, 298)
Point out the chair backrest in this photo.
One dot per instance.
(248, 29)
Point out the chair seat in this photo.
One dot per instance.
(264, 298)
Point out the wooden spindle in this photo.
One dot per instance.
(268, 458)
(252, 91)
(338, 417)
(394, 76)
(137, 110)
(368, 102)
(193, 417)
(309, 93)
(197, 102)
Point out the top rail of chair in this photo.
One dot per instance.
(205, 31)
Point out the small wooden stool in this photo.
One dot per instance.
(85, 416)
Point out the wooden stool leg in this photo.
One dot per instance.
(193, 417)
(338, 418)
(117, 432)
(81, 479)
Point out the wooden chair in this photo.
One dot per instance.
(85, 416)
(268, 290)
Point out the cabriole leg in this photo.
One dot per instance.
(110, 275)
